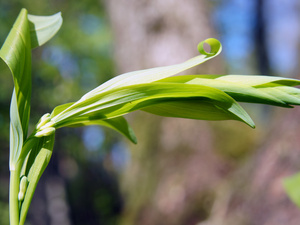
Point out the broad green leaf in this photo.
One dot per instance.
(291, 186)
(126, 99)
(37, 161)
(58, 109)
(43, 28)
(154, 74)
(16, 53)
(289, 95)
(118, 123)
(265, 90)
(199, 109)
(258, 80)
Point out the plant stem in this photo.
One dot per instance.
(13, 197)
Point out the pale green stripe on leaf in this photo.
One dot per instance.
(258, 80)
(16, 133)
(284, 93)
(270, 90)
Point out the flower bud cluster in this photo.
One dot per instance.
(45, 126)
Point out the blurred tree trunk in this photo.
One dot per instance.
(175, 168)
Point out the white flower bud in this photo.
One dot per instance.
(23, 188)
(44, 119)
(47, 125)
(45, 132)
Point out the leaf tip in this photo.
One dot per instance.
(215, 47)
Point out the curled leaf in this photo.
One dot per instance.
(154, 74)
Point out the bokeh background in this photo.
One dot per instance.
(181, 172)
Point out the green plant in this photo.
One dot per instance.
(203, 97)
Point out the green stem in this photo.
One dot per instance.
(14, 184)
(13, 197)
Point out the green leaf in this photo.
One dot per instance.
(16, 54)
(117, 102)
(121, 125)
(254, 89)
(118, 123)
(289, 95)
(258, 80)
(154, 74)
(291, 186)
(199, 109)
(37, 161)
(43, 28)
(16, 133)
(58, 109)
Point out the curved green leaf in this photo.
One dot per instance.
(58, 109)
(258, 80)
(16, 133)
(150, 75)
(119, 124)
(254, 89)
(28, 31)
(43, 28)
(37, 161)
(16, 53)
(200, 109)
(123, 100)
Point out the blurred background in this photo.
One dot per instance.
(181, 172)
